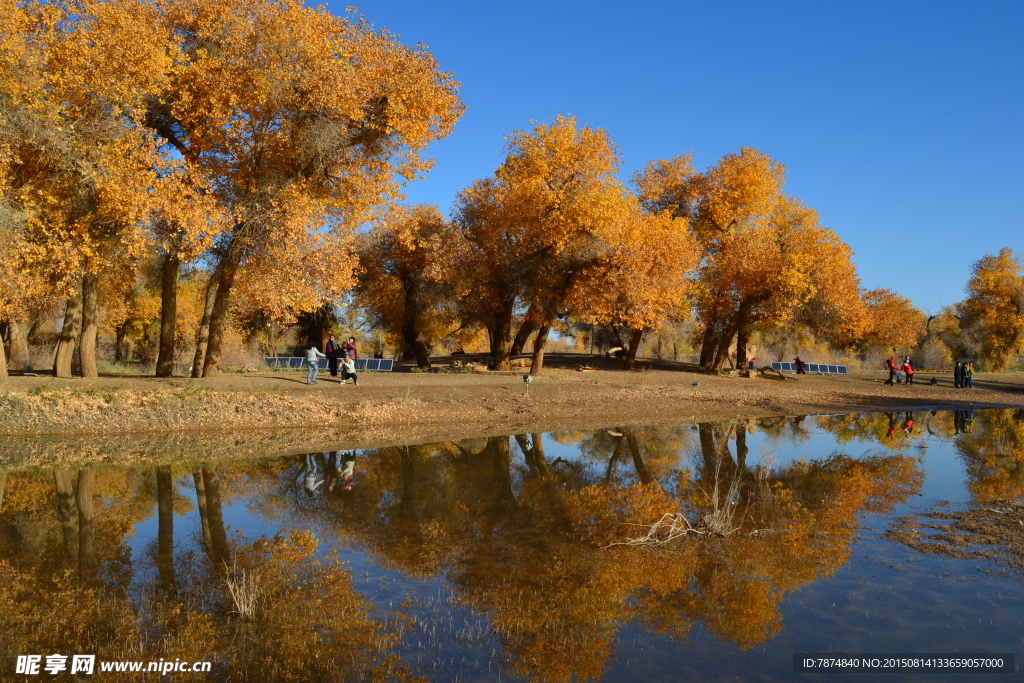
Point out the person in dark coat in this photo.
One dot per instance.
(332, 349)
(958, 375)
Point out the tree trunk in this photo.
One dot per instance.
(70, 331)
(533, 453)
(525, 330)
(501, 460)
(410, 335)
(725, 338)
(272, 338)
(168, 313)
(3, 485)
(219, 316)
(708, 451)
(539, 461)
(19, 346)
(619, 445)
(501, 341)
(722, 348)
(638, 461)
(708, 347)
(741, 447)
(618, 337)
(90, 324)
(3, 364)
(538, 349)
(634, 345)
(203, 333)
(86, 525)
(119, 337)
(219, 550)
(165, 527)
(204, 522)
(67, 513)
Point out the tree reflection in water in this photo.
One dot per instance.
(520, 535)
(66, 575)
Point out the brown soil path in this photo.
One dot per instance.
(424, 403)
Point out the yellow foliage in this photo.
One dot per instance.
(994, 307)
(892, 320)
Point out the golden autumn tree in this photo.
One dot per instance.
(992, 449)
(765, 260)
(309, 269)
(394, 259)
(74, 76)
(994, 307)
(891, 322)
(643, 279)
(183, 224)
(524, 238)
(305, 120)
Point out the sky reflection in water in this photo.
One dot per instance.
(463, 560)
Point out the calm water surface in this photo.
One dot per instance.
(510, 556)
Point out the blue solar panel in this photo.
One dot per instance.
(299, 363)
(812, 367)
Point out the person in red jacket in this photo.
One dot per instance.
(350, 346)
(891, 363)
(908, 369)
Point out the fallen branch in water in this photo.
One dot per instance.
(670, 527)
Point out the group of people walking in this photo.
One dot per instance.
(340, 358)
(903, 372)
(963, 375)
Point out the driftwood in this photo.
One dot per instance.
(768, 372)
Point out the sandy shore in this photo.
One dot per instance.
(423, 405)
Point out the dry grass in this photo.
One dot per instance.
(245, 591)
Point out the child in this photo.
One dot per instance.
(348, 369)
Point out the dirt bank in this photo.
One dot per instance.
(424, 404)
(992, 530)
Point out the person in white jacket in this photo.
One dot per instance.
(348, 369)
(313, 357)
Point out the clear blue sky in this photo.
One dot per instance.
(901, 122)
